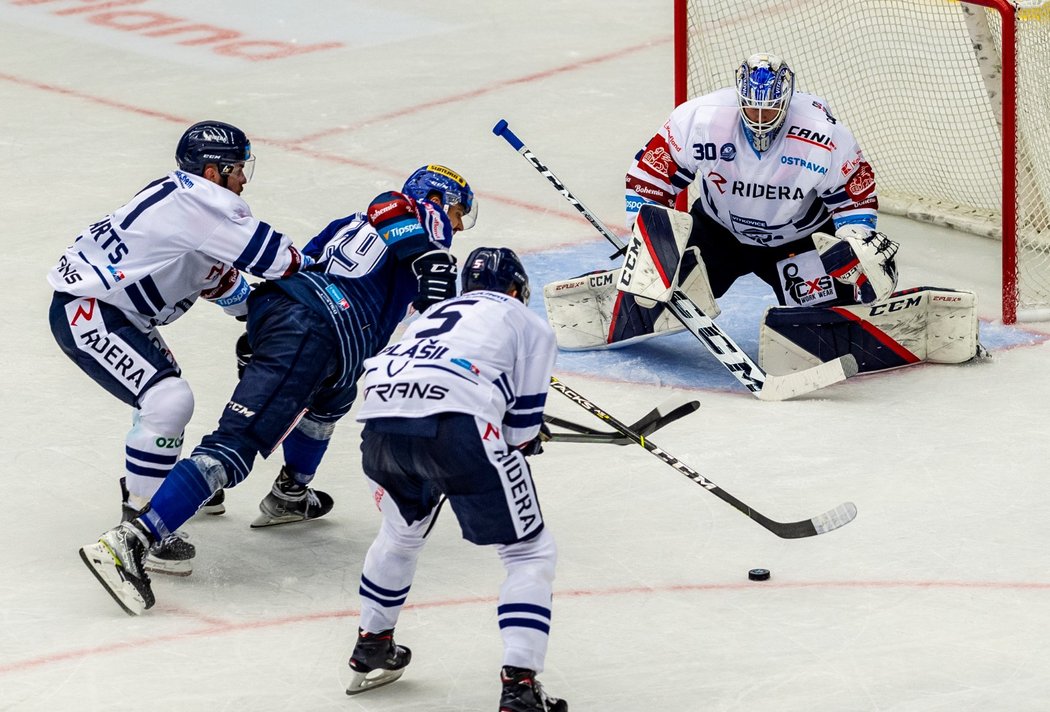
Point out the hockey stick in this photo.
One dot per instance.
(721, 346)
(821, 524)
(644, 426)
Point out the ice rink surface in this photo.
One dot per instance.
(936, 598)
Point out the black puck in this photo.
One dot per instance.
(758, 574)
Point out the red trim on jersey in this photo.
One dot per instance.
(812, 142)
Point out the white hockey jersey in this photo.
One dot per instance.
(482, 353)
(813, 169)
(181, 236)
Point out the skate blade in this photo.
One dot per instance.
(265, 520)
(168, 568)
(100, 562)
(214, 509)
(365, 681)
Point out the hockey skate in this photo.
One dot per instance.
(172, 555)
(376, 661)
(522, 692)
(290, 502)
(116, 561)
(215, 505)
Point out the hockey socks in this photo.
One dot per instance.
(184, 490)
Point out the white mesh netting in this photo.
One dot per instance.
(919, 83)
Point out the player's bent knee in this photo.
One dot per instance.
(397, 536)
(167, 406)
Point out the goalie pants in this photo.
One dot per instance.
(410, 463)
(727, 259)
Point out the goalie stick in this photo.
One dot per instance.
(821, 524)
(762, 385)
(644, 426)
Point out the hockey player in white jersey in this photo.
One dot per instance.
(451, 410)
(785, 193)
(183, 236)
(310, 334)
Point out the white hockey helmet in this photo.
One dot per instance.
(764, 82)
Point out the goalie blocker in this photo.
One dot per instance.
(911, 326)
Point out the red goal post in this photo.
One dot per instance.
(950, 101)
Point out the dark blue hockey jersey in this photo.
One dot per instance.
(362, 280)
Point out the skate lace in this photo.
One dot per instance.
(175, 535)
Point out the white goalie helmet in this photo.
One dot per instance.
(764, 86)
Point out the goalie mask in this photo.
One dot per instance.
(496, 269)
(214, 142)
(764, 85)
(450, 187)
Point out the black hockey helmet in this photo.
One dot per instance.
(214, 142)
(496, 269)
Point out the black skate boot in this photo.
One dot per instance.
(172, 555)
(215, 505)
(522, 692)
(290, 502)
(376, 661)
(116, 561)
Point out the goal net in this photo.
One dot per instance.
(949, 100)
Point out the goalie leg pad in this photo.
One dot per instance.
(912, 326)
(588, 312)
(658, 259)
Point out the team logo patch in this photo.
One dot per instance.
(463, 363)
(861, 183)
(658, 160)
(337, 296)
(727, 152)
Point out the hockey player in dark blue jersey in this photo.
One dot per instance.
(309, 335)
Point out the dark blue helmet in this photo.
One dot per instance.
(214, 142)
(452, 188)
(496, 269)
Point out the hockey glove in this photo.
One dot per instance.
(436, 273)
(244, 354)
(535, 446)
(860, 257)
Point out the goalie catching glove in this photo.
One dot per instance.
(436, 273)
(860, 257)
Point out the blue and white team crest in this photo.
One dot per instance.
(115, 273)
(337, 296)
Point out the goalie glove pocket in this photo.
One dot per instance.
(862, 258)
